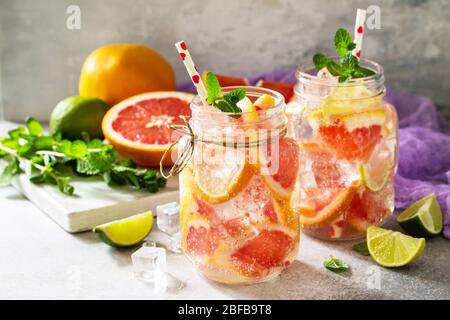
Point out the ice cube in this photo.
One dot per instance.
(168, 217)
(324, 73)
(175, 243)
(149, 264)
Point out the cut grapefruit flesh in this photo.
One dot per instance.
(227, 81)
(200, 239)
(331, 211)
(138, 126)
(351, 137)
(268, 249)
(367, 208)
(324, 165)
(286, 89)
(279, 170)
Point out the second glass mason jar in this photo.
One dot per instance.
(347, 135)
(237, 222)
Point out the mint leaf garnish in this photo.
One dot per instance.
(334, 68)
(227, 102)
(361, 72)
(361, 248)
(335, 265)
(320, 61)
(235, 96)
(342, 41)
(213, 88)
(348, 68)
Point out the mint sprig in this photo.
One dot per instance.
(227, 102)
(335, 265)
(348, 67)
(49, 159)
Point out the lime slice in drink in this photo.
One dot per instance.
(377, 170)
(373, 182)
(126, 232)
(393, 249)
(423, 218)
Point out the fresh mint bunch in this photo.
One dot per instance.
(227, 102)
(52, 160)
(348, 68)
(335, 265)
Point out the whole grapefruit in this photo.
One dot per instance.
(118, 71)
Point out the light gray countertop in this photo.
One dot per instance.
(41, 261)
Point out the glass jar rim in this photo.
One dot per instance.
(198, 107)
(303, 74)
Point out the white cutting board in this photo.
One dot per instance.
(93, 202)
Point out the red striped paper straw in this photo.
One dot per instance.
(192, 69)
(359, 32)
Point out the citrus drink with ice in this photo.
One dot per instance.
(237, 221)
(347, 135)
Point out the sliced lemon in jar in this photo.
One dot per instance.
(345, 100)
(221, 175)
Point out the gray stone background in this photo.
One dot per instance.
(40, 59)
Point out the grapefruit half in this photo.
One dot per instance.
(138, 126)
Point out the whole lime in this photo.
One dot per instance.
(76, 114)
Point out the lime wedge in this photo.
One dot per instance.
(126, 232)
(423, 218)
(373, 182)
(379, 168)
(393, 249)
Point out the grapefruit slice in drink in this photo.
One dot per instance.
(279, 166)
(269, 249)
(326, 206)
(138, 126)
(351, 137)
(323, 164)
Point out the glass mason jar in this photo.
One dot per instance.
(347, 136)
(237, 222)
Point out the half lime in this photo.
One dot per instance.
(423, 218)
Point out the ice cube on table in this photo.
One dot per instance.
(175, 243)
(149, 264)
(168, 217)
